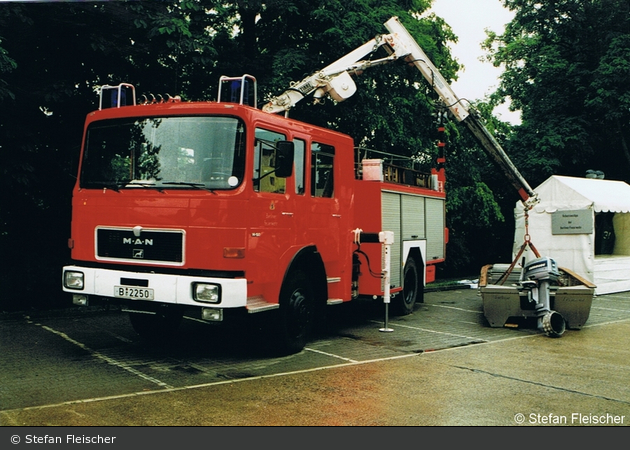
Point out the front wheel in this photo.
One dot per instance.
(297, 313)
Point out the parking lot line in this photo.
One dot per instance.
(433, 331)
(102, 357)
(330, 354)
(459, 309)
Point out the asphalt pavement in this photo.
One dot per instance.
(432, 370)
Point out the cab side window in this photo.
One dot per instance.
(300, 155)
(264, 162)
(322, 164)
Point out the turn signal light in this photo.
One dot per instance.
(234, 252)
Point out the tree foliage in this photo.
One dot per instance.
(53, 54)
(567, 68)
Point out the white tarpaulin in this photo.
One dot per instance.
(572, 243)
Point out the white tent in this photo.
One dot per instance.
(583, 224)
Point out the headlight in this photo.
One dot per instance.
(207, 293)
(73, 280)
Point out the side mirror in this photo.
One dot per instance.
(284, 159)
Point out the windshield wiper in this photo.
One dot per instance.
(114, 186)
(144, 184)
(200, 186)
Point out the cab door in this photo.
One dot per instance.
(272, 216)
(318, 211)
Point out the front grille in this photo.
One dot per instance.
(158, 246)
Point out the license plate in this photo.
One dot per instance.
(133, 293)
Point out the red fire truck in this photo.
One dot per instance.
(219, 208)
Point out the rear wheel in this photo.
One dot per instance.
(411, 289)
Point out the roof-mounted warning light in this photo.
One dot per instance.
(241, 90)
(116, 96)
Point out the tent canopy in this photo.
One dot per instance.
(577, 252)
(566, 193)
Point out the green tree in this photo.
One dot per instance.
(52, 56)
(7, 64)
(477, 195)
(567, 69)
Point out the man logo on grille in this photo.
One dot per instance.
(138, 253)
(137, 241)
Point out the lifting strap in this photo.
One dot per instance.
(526, 243)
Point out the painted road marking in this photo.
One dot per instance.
(103, 357)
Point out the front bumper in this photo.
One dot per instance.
(172, 289)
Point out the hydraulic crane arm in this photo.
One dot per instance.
(461, 110)
(496, 152)
(335, 81)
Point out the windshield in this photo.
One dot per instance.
(192, 152)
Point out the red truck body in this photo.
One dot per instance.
(153, 228)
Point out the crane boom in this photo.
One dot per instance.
(335, 81)
(461, 110)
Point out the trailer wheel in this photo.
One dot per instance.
(156, 327)
(411, 286)
(297, 313)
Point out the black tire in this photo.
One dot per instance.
(406, 302)
(157, 327)
(297, 313)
